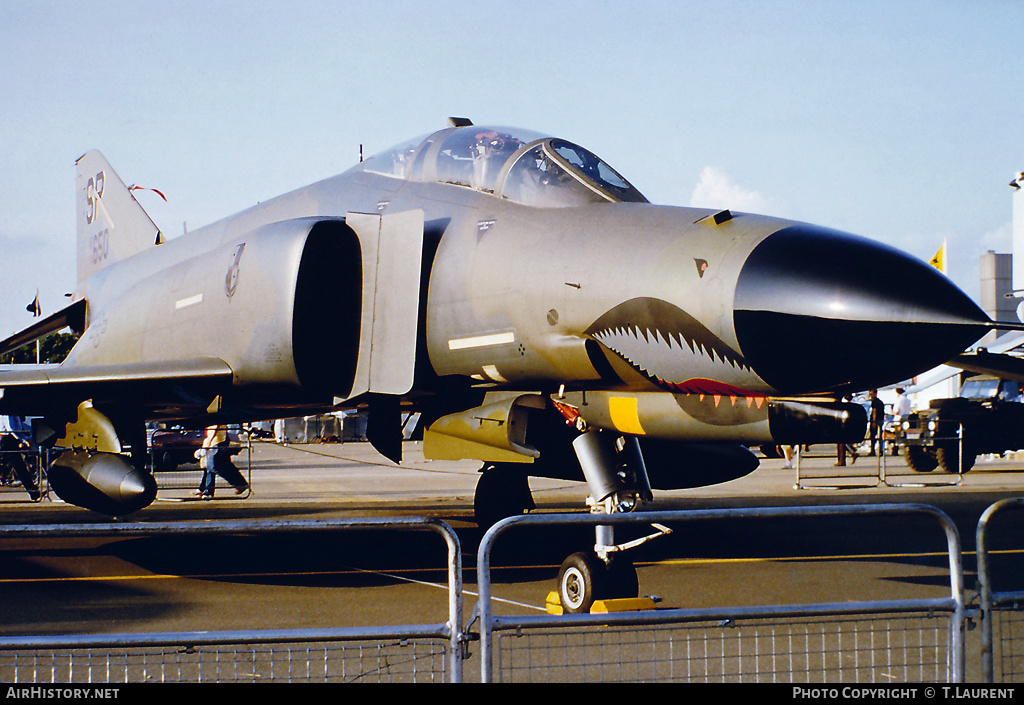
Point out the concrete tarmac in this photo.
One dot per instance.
(181, 583)
(352, 479)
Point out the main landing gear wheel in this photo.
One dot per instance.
(584, 578)
(502, 491)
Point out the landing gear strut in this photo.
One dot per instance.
(617, 479)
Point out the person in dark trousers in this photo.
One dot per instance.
(845, 449)
(216, 460)
(877, 417)
(14, 440)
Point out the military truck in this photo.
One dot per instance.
(987, 417)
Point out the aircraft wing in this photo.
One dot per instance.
(994, 359)
(72, 317)
(31, 389)
(997, 364)
(1005, 343)
(991, 359)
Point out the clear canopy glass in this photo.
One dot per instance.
(519, 165)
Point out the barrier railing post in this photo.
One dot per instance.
(452, 630)
(987, 594)
(956, 662)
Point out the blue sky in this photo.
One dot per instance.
(900, 121)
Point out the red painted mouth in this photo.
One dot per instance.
(711, 387)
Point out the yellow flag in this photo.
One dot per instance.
(939, 260)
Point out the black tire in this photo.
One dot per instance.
(580, 580)
(584, 578)
(920, 459)
(948, 457)
(502, 491)
(621, 580)
(770, 450)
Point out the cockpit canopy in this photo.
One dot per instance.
(522, 166)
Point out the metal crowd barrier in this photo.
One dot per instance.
(886, 469)
(188, 474)
(956, 479)
(388, 653)
(874, 640)
(1002, 612)
(909, 639)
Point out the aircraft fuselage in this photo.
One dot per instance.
(512, 285)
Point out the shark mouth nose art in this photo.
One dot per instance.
(668, 346)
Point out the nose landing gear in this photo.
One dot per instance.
(618, 483)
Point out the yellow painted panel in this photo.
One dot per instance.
(623, 411)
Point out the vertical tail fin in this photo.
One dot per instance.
(111, 224)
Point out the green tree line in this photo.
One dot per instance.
(53, 348)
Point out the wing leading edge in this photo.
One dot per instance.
(996, 364)
(72, 317)
(995, 358)
(35, 389)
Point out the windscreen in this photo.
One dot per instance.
(519, 165)
(536, 179)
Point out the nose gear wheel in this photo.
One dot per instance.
(584, 578)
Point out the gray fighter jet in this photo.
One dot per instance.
(514, 289)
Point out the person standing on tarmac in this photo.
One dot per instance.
(14, 440)
(875, 421)
(216, 460)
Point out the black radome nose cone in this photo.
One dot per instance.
(819, 310)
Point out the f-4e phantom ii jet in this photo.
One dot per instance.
(541, 315)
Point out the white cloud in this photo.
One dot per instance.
(716, 189)
(998, 240)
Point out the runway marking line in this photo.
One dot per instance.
(804, 559)
(160, 576)
(668, 562)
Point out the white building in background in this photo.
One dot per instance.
(997, 287)
(1002, 275)
(1018, 230)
